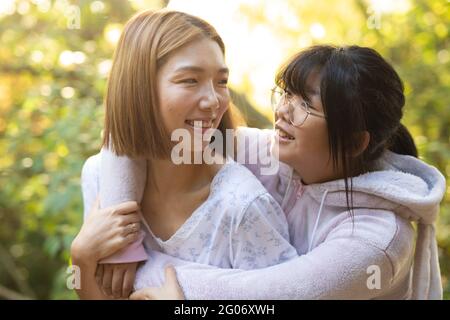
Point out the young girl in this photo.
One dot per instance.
(169, 75)
(350, 189)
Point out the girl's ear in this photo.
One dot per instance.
(362, 140)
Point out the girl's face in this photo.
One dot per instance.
(192, 88)
(305, 147)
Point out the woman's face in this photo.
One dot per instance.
(192, 88)
(305, 148)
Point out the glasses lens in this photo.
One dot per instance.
(298, 112)
(276, 97)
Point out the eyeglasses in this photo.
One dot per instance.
(298, 109)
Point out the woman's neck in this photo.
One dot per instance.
(167, 178)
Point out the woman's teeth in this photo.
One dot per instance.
(200, 123)
(283, 134)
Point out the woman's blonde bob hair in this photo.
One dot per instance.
(133, 125)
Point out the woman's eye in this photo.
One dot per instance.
(223, 82)
(189, 81)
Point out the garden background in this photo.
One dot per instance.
(54, 61)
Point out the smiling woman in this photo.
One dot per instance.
(181, 83)
(169, 73)
(133, 88)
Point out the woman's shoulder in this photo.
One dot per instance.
(242, 194)
(237, 180)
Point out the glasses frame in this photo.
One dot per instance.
(283, 98)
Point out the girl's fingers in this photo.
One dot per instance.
(99, 275)
(128, 280)
(117, 281)
(107, 279)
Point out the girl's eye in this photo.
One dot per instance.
(306, 105)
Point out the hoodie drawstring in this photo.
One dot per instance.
(317, 220)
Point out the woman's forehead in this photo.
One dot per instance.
(197, 56)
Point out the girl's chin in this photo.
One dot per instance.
(283, 152)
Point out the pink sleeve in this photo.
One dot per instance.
(133, 253)
(122, 179)
(254, 152)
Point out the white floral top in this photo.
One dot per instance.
(239, 226)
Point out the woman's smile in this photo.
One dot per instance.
(201, 124)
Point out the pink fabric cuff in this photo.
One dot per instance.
(133, 253)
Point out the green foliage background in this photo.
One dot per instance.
(51, 115)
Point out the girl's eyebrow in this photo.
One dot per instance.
(312, 90)
(198, 69)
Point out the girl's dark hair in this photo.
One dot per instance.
(360, 92)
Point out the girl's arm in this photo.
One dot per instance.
(342, 267)
(104, 231)
(121, 179)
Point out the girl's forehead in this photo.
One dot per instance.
(314, 78)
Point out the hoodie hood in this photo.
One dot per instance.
(402, 184)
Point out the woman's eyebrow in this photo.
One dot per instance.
(224, 70)
(198, 69)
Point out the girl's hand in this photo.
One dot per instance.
(116, 280)
(170, 290)
(106, 231)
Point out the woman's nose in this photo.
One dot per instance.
(210, 99)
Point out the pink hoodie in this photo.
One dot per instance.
(368, 256)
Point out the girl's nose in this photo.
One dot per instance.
(282, 112)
